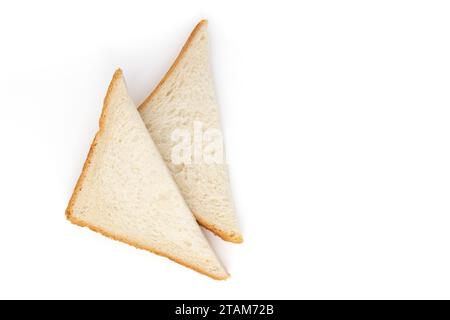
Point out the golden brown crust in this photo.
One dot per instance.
(138, 246)
(222, 234)
(78, 187)
(235, 238)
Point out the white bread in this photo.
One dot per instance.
(126, 192)
(186, 95)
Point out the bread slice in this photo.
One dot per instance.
(186, 96)
(126, 192)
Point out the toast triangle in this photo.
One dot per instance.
(126, 192)
(184, 97)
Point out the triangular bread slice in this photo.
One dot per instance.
(126, 192)
(184, 97)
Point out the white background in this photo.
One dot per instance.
(337, 123)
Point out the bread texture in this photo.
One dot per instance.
(126, 192)
(185, 96)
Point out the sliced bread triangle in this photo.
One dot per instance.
(186, 97)
(126, 192)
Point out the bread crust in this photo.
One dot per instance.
(219, 232)
(138, 246)
(117, 75)
(180, 56)
(234, 238)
